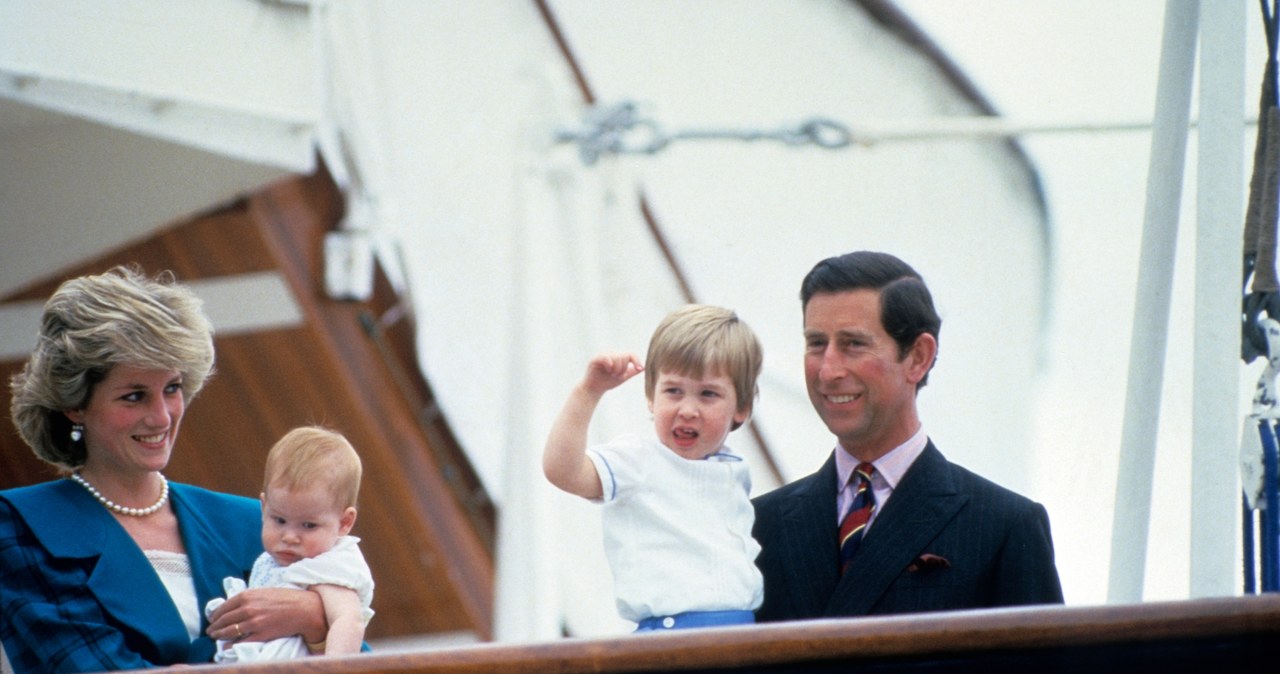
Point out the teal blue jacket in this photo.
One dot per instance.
(77, 594)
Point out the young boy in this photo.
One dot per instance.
(677, 515)
(308, 508)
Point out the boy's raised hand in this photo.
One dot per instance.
(563, 459)
(609, 370)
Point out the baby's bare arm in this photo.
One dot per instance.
(346, 628)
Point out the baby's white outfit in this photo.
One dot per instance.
(677, 533)
(342, 565)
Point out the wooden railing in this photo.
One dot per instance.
(1209, 635)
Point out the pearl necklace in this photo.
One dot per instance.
(124, 510)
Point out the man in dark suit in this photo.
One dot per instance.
(922, 534)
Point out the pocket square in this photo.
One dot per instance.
(928, 562)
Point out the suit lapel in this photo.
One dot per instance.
(211, 561)
(71, 524)
(923, 503)
(809, 534)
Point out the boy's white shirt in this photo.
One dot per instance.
(677, 533)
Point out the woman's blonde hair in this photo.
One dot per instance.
(92, 324)
(313, 455)
(696, 339)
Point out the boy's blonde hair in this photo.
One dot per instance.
(311, 455)
(696, 339)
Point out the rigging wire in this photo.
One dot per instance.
(619, 129)
(1260, 335)
(1261, 214)
(1270, 25)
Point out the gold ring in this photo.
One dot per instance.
(239, 634)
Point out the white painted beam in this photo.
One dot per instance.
(1150, 335)
(273, 308)
(228, 76)
(1215, 418)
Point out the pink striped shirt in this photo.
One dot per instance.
(889, 471)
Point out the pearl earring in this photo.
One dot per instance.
(77, 432)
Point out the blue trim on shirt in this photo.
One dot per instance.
(613, 479)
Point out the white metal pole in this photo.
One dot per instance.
(1215, 422)
(1151, 307)
(526, 608)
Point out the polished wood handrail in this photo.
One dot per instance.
(927, 641)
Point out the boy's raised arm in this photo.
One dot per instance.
(564, 459)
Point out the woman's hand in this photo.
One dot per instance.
(263, 614)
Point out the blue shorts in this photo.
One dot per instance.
(689, 619)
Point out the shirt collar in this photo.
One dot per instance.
(722, 454)
(890, 467)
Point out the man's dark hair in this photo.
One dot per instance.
(906, 306)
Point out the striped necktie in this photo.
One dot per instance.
(855, 522)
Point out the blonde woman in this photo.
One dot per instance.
(107, 567)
